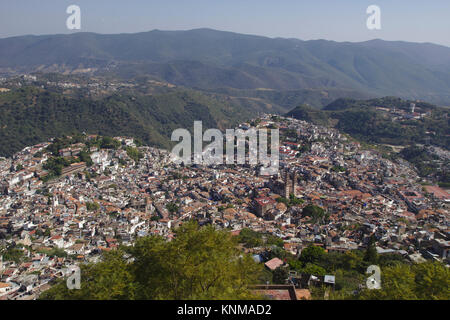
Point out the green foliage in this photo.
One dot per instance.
(54, 252)
(315, 212)
(283, 200)
(313, 269)
(134, 154)
(265, 277)
(291, 202)
(199, 263)
(109, 143)
(424, 162)
(63, 142)
(172, 207)
(272, 240)
(310, 261)
(13, 253)
(85, 157)
(294, 201)
(389, 259)
(280, 275)
(400, 279)
(338, 169)
(371, 255)
(304, 148)
(250, 238)
(432, 281)
(35, 115)
(253, 239)
(138, 142)
(54, 165)
(295, 264)
(122, 162)
(445, 185)
(312, 254)
(278, 252)
(92, 206)
(43, 233)
(429, 281)
(110, 279)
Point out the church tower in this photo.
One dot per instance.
(287, 184)
(294, 184)
(290, 183)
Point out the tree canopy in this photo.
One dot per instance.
(316, 213)
(199, 263)
(424, 281)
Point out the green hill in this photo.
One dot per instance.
(31, 115)
(373, 122)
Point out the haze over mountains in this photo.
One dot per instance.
(216, 60)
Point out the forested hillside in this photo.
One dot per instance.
(374, 121)
(31, 115)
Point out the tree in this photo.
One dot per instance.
(109, 143)
(283, 200)
(85, 157)
(312, 254)
(278, 252)
(134, 153)
(92, 206)
(47, 232)
(314, 269)
(389, 259)
(272, 240)
(110, 279)
(280, 275)
(250, 238)
(294, 201)
(199, 263)
(429, 281)
(397, 283)
(13, 253)
(371, 255)
(172, 207)
(432, 281)
(315, 212)
(351, 260)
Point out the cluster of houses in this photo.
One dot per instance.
(51, 226)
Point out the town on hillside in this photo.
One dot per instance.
(66, 201)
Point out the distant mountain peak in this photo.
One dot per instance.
(206, 58)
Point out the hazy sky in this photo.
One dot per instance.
(340, 20)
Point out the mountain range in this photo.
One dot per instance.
(213, 60)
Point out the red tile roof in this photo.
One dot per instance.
(274, 263)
